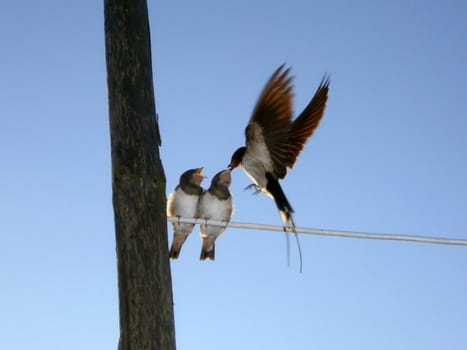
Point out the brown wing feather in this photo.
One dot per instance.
(306, 123)
(272, 114)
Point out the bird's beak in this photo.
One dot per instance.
(199, 171)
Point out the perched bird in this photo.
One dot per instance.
(274, 141)
(183, 202)
(214, 204)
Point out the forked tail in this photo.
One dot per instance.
(285, 210)
(177, 243)
(207, 254)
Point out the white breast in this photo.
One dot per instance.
(181, 204)
(210, 207)
(184, 205)
(256, 160)
(255, 169)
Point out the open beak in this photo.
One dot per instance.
(199, 171)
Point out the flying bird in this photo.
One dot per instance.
(274, 141)
(215, 204)
(183, 202)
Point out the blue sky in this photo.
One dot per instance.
(390, 156)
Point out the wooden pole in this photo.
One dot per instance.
(138, 182)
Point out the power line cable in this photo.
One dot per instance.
(322, 232)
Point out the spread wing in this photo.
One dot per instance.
(268, 130)
(306, 123)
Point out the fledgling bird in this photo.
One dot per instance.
(215, 204)
(274, 141)
(183, 202)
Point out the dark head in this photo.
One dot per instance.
(222, 178)
(237, 158)
(220, 184)
(192, 176)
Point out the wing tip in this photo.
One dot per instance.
(325, 81)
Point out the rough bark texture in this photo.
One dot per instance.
(138, 182)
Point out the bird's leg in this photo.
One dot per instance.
(254, 186)
(178, 219)
(250, 186)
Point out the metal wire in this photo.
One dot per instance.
(322, 232)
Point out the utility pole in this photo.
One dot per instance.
(138, 182)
